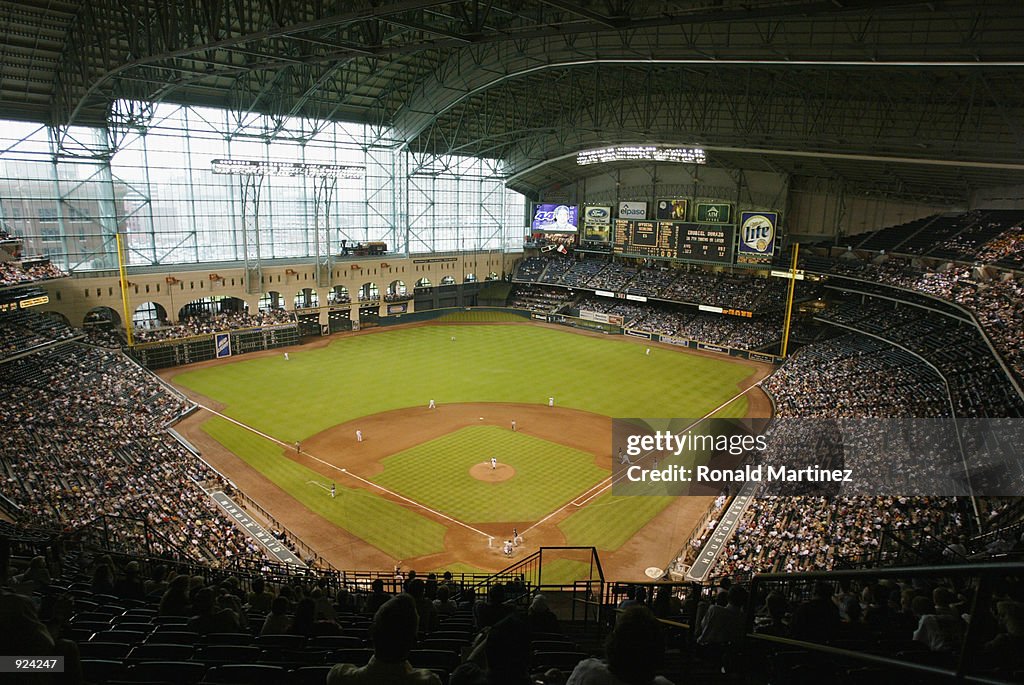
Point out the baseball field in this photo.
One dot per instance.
(419, 486)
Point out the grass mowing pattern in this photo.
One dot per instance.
(564, 572)
(367, 374)
(608, 521)
(392, 528)
(436, 473)
(362, 375)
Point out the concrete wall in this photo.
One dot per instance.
(75, 297)
(824, 209)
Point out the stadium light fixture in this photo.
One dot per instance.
(254, 167)
(650, 153)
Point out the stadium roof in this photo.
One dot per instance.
(908, 99)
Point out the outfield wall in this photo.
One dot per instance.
(199, 348)
(458, 315)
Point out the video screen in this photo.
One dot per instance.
(552, 218)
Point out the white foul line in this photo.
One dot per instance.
(608, 482)
(349, 473)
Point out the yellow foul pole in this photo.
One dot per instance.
(122, 267)
(789, 300)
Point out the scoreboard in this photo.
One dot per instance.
(675, 240)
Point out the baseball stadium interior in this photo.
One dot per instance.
(319, 320)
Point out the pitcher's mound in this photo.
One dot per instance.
(485, 473)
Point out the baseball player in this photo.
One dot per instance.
(334, 491)
(359, 436)
(551, 401)
(431, 405)
(494, 463)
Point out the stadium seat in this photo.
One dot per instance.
(174, 637)
(102, 670)
(127, 637)
(175, 672)
(228, 639)
(103, 650)
(464, 635)
(246, 674)
(289, 641)
(333, 642)
(358, 656)
(160, 652)
(440, 659)
(171, 620)
(213, 655)
(145, 628)
(446, 644)
(309, 675)
(552, 646)
(565, 661)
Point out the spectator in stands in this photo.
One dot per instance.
(393, 634)
(260, 599)
(634, 653)
(377, 596)
(102, 580)
(540, 618)
(493, 610)
(817, 619)
(209, 616)
(130, 585)
(36, 575)
(305, 622)
(444, 604)
(277, 621)
(666, 604)
(25, 635)
(1006, 650)
(506, 652)
(467, 600)
(424, 607)
(774, 616)
(175, 601)
(630, 599)
(724, 625)
(940, 632)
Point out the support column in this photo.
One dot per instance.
(250, 186)
(323, 197)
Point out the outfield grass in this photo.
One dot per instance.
(390, 527)
(608, 521)
(436, 473)
(361, 375)
(391, 369)
(565, 572)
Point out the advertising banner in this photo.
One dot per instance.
(672, 209)
(714, 213)
(633, 210)
(758, 231)
(597, 223)
(223, 345)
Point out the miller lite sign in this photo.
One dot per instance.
(758, 231)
